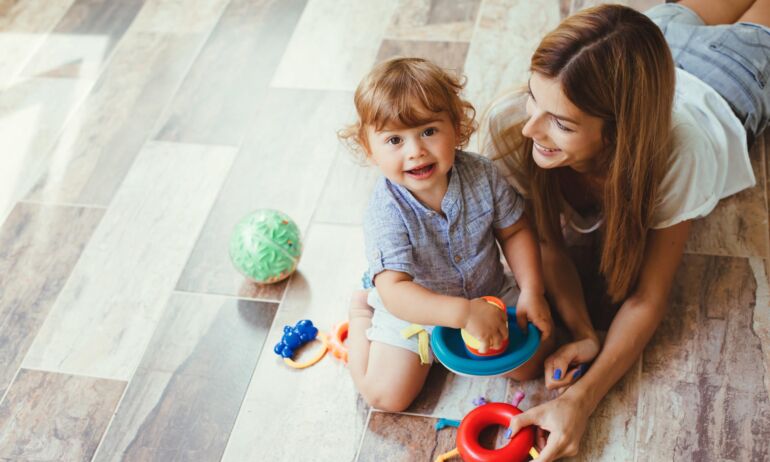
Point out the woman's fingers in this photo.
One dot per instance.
(550, 452)
(557, 365)
(523, 420)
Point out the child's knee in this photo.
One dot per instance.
(387, 400)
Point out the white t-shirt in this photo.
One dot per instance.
(710, 159)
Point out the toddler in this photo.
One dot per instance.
(432, 229)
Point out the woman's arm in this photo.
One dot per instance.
(566, 416)
(639, 315)
(566, 292)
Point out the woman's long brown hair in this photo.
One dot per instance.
(613, 63)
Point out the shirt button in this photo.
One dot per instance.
(376, 254)
(458, 258)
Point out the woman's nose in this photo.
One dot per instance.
(532, 128)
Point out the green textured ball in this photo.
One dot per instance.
(265, 246)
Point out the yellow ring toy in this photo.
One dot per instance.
(318, 355)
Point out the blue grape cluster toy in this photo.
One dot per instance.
(294, 337)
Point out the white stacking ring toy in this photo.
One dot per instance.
(451, 350)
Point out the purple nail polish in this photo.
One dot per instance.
(578, 373)
(508, 433)
(557, 374)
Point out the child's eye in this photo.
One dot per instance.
(394, 140)
(561, 126)
(429, 131)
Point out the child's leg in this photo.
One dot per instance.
(718, 11)
(758, 13)
(388, 377)
(533, 368)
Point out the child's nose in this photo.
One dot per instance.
(416, 149)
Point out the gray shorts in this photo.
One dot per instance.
(387, 328)
(733, 59)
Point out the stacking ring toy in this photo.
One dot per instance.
(487, 415)
(450, 350)
(337, 341)
(473, 344)
(317, 357)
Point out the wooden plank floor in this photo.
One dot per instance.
(137, 133)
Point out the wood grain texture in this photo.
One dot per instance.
(33, 113)
(224, 88)
(81, 43)
(39, 246)
(102, 139)
(24, 26)
(195, 372)
(48, 416)
(324, 31)
(506, 34)
(435, 20)
(703, 392)
(404, 438)
(107, 311)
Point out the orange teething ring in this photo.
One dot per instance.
(337, 346)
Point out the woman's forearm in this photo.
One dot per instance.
(629, 333)
(562, 284)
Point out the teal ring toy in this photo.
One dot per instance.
(449, 349)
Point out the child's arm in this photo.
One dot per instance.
(414, 303)
(522, 253)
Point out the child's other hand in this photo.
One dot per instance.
(487, 323)
(532, 307)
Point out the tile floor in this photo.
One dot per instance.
(136, 133)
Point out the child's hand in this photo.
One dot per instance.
(532, 307)
(487, 323)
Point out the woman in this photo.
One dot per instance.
(635, 125)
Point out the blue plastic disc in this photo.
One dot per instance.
(449, 349)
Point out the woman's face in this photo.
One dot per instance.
(563, 135)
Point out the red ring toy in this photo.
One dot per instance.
(487, 415)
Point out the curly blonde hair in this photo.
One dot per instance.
(408, 92)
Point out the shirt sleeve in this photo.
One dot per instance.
(509, 204)
(388, 246)
(690, 188)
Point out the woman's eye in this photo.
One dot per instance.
(561, 126)
(429, 132)
(393, 140)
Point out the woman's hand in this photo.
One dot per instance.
(561, 423)
(570, 362)
(532, 307)
(487, 323)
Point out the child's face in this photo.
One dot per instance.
(417, 158)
